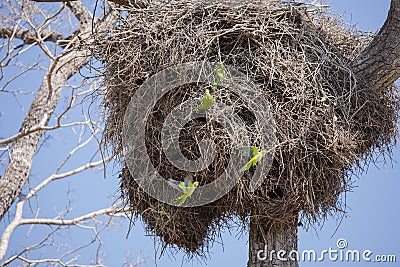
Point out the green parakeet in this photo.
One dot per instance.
(207, 101)
(187, 187)
(255, 156)
(221, 74)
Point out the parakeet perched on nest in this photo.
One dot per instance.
(221, 74)
(207, 101)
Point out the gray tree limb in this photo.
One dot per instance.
(28, 37)
(43, 106)
(135, 3)
(378, 66)
(83, 15)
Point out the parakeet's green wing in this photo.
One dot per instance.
(207, 101)
(180, 200)
(221, 73)
(255, 156)
(183, 187)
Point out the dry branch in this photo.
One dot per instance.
(18, 216)
(29, 37)
(127, 3)
(63, 67)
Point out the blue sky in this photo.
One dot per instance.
(371, 222)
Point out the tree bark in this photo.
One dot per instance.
(378, 66)
(272, 245)
(43, 106)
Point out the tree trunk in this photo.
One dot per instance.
(44, 104)
(378, 66)
(274, 245)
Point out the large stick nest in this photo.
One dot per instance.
(328, 125)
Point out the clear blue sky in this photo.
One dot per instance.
(371, 222)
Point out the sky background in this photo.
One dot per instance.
(371, 223)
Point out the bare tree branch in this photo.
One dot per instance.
(53, 1)
(66, 174)
(42, 28)
(18, 219)
(44, 103)
(135, 3)
(38, 128)
(42, 108)
(81, 13)
(109, 211)
(30, 38)
(59, 125)
(59, 221)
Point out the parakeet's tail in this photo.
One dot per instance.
(180, 200)
(245, 167)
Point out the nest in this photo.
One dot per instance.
(328, 126)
